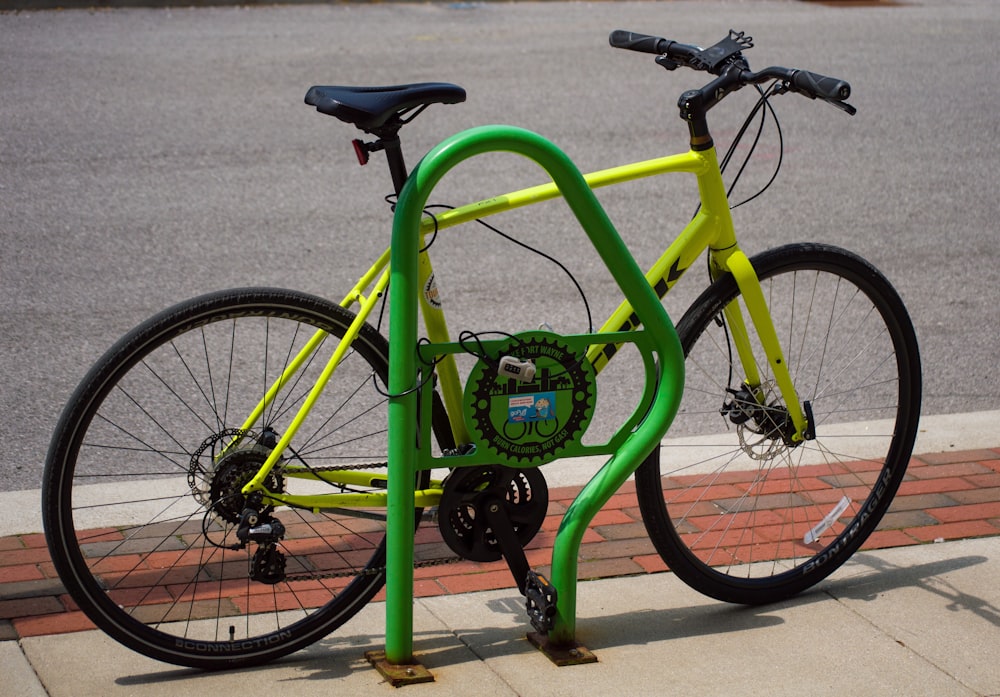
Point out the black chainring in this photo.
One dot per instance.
(462, 518)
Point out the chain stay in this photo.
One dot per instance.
(374, 571)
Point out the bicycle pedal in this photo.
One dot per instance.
(541, 598)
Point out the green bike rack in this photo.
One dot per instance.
(404, 375)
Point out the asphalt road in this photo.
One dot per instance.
(148, 155)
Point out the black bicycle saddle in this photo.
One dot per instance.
(370, 108)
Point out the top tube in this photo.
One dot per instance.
(690, 162)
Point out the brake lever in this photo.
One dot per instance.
(784, 87)
(665, 62)
(843, 106)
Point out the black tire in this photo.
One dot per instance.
(739, 517)
(140, 506)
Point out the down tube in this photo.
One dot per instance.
(663, 275)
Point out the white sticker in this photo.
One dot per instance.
(431, 293)
(827, 521)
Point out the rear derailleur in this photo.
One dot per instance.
(256, 525)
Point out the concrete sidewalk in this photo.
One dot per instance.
(918, 620)
(916, 612)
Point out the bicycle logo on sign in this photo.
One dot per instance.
(530, 415)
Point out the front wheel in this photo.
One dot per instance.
(142, 488)
(739, 511)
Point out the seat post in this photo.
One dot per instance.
(397, 166)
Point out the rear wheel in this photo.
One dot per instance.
(742, 513)
(142, 487)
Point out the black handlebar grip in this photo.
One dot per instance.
(638, 42)
(816, 85)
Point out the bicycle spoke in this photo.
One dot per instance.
(158, 461)
(754, 518)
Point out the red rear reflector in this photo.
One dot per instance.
(361, 151)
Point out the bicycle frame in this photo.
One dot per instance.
(711, 229)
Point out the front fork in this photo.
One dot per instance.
(736, 262)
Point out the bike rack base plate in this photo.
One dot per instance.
(398, 674)
(562, 654)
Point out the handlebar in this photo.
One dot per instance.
(816, 85)
(644, 43)
(725, 59)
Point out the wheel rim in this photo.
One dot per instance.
(147, 510)
(755, 512)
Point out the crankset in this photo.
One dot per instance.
(491, 512)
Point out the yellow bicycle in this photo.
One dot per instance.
(216, 491)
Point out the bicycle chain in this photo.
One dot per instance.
(344, 468)
(374, 571)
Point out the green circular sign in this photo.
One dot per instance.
(528, 422)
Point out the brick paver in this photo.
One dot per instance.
(945, 496)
